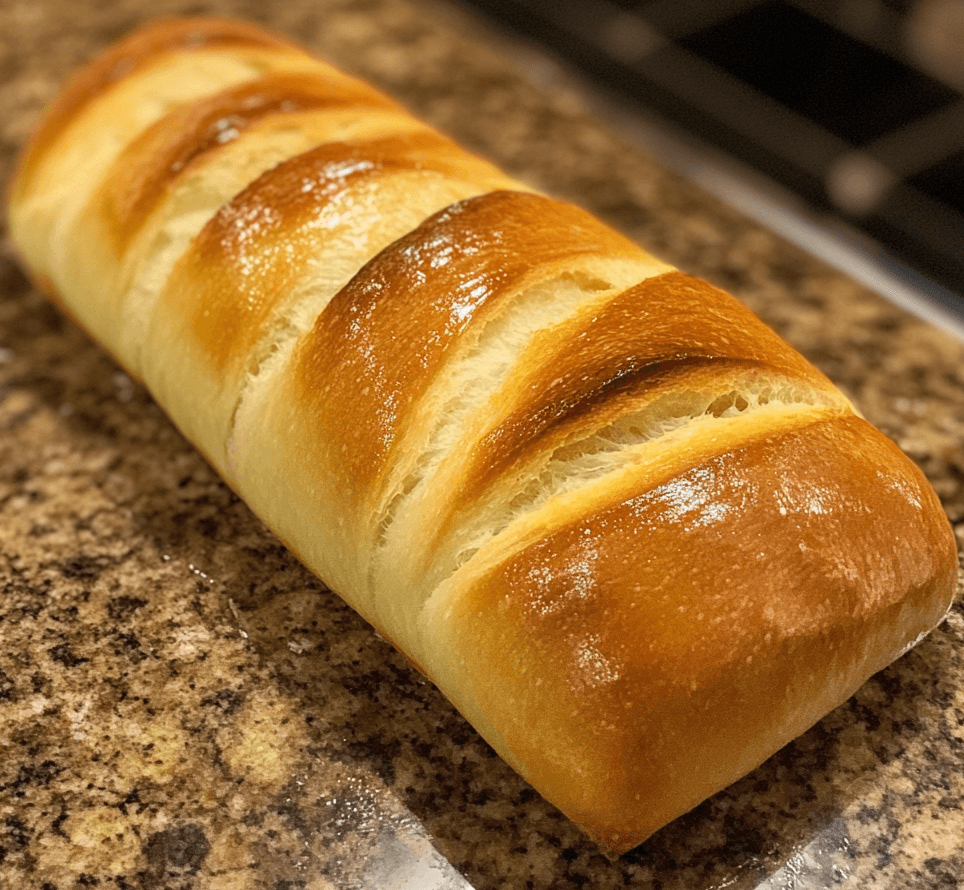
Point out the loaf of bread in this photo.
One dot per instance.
(635, 538)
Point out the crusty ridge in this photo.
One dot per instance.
(108, 104)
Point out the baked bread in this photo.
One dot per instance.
(636, 539)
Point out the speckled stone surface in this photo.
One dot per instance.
(183, 706)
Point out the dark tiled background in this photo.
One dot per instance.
(856, 107)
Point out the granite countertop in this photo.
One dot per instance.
(183, 706)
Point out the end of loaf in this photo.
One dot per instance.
(639, 659)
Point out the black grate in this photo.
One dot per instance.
(845, 104)
(850, 88)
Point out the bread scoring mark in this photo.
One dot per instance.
(142, 175)
(583, 398)
(728, 503)
(348, 202)
(704, 403)
(264, 240)
(389, 332)
(125, 58)
(638, 339)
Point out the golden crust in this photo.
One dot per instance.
(258, 240)
(658, 331)
(281, 249)
(635, 661)
(123, 59)
(142, 175)
(398, 321)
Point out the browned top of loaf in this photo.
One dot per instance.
(260, 241)
(679, 624)
(142, 174)
(593, 367)
(139, 50)
(416, 300)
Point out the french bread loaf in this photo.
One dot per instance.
(638, 540)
